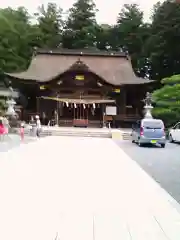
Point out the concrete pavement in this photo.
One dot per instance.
(12, 141)
(162, 164)
(81, 188)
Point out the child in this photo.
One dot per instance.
(22, 131)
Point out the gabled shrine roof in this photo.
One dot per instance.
(113, 67)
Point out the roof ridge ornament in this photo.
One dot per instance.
(79, 61)
(79, 64)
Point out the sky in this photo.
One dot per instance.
(108, 10)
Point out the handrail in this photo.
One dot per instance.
(127, 116)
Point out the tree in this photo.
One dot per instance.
(162, 47)
(132, 33)
(15, 38)
(50, 25)
(2, 98)
(3, 106)
(155, 9)
(103, 37)
(81, 27)
(167, 100)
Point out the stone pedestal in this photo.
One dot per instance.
(10, 111)
(11, 114)
(148, 109)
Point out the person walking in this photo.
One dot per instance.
(22, 131)
(38, 126)
(32, 124)
(6, 125)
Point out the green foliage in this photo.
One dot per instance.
(154, 47)
(81, 27)
(167, 100)
(50, 25)
(162, 47)
(15, 37)
(175, 79)
(3, 106)
(132, 33)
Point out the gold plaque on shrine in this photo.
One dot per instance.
(42, 87)
(117, 90)
(79, 77)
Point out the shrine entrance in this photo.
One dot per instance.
(74, 112)
(80, 118)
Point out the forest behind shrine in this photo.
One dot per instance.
(153, 46)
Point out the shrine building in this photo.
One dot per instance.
(80, 88)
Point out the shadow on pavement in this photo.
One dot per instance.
(13, 140)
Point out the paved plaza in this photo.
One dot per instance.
(13, 141)
(68, 188)
(163, 165)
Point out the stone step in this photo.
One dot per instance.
(126, 136)
(80, 133)
(73, 133)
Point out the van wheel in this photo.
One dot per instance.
(171, 139)
(140, 144)
(163, 145)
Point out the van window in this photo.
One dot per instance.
(153, 124)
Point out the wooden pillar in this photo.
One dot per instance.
(124, 95)
(103, 114)
(37, 105)
(121, 102)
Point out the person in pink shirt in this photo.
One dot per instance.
(2, 129)
(6, 125)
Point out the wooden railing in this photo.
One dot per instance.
(80, 122)
(66, 123)
(95, 123)
(127, 117)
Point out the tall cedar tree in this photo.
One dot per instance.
(81, 27)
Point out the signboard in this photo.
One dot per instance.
(111, 110)
(42, 87)
(117, 90)
(79, 77)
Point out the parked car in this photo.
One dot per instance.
(174, 133)
(149, 131)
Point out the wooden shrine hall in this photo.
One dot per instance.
(80, 88)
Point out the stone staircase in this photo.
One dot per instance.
(72, 132)
(82, 132)
(126, 136)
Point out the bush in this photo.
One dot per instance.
(167, 101)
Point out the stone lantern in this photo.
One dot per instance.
(148, 105)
